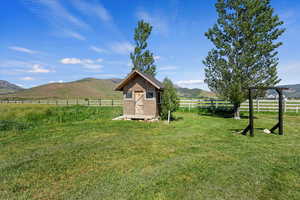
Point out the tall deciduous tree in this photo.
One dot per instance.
(170, 100)
(245, 39)
(142, 59)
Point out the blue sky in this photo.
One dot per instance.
(45, 41)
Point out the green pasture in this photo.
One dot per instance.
(78, 152)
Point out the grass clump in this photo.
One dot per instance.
(51, 114)
(6, 125)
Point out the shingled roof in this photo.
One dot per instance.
(153, 81)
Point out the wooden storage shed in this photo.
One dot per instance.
(142, 96)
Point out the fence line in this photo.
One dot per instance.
(66, 102)
(260, 105)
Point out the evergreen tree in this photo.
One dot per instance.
(142, 59)
(170, 100)
(245, 40)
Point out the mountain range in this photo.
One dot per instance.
(102, 88)
(7, 87)
(293, 92)
(85, 88)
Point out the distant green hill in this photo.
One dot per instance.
(90, 88)
(194, 93)
(294, 91)
(85, 88)
(7, 87)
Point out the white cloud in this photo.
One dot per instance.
(167, 68)
(93, 9)
(70, 61)
(86, 63)
(122, 47)
(92, 66)
(14, 63)
(159, 22)
(54, 12)
(74, 35)
(22, 49)
(99, 60)
(190, 82)
(156, 58)
(58, 16)
(285, 69)
(20, 67)
(27, 78)
(37, 68)
(20, 85)
(60, 81)
(97, 49)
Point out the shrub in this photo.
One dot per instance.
(170, 100)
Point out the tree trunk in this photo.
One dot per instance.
(236, 109)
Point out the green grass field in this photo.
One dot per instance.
(80, 153)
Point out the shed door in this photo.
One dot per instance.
(139, 103)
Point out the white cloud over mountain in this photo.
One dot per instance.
(85, 63)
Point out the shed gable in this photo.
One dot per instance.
(147, 79)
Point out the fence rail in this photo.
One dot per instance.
(65, 102)
(260, 105)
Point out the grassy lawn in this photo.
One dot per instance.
(80, 153)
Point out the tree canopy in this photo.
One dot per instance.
(142, 59)
(245, 39)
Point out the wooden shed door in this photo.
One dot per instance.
(139, 103)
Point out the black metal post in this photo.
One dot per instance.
(251, 120)
(280, 114)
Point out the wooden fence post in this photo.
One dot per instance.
(285, 104)
(257, 105)
(112, 103)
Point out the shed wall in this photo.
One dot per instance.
(138, 84)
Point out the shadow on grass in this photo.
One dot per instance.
(178, 119)
(238, 130)
(221, 112)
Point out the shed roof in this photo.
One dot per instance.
(153, 81)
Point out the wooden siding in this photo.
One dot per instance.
(138, 84)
